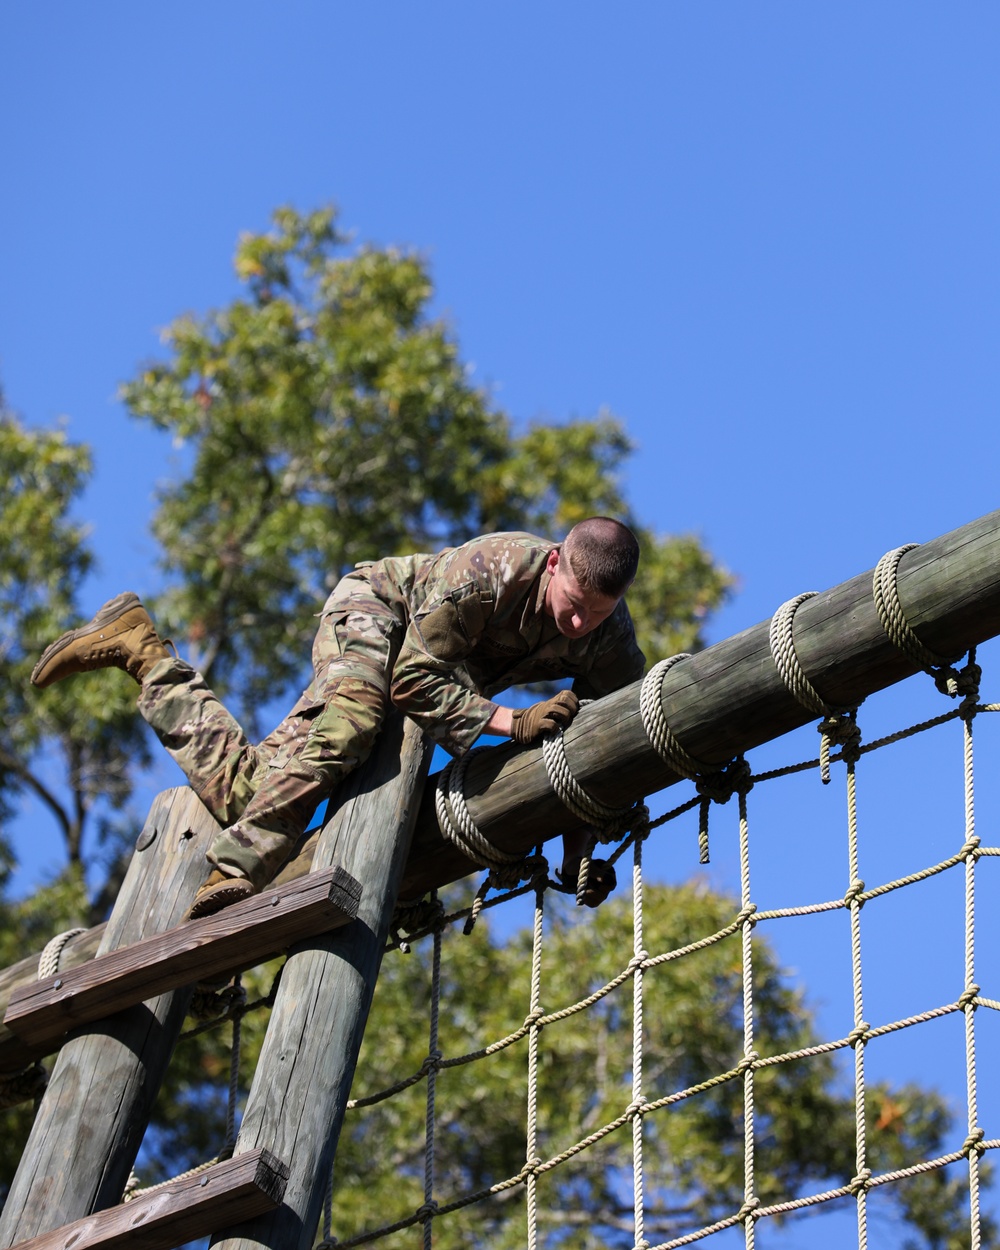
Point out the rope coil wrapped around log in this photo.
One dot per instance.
(838, 724)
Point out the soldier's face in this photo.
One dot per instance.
(575, 611)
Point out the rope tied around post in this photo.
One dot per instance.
(838, 726)
(712, 780)
(607, 822)
(455, 821)
(947, 678)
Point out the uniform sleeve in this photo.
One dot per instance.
(425, 685)
(617, 662)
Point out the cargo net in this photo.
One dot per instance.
(624, 1134)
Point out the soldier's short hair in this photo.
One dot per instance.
(603, 554)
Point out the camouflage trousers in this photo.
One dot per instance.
(264, 795)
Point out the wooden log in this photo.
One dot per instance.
(725, 700)
(254, 930)
(92, 1118)
(178, 1212)
(300, 1090)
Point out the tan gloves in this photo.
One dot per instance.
(529, 723)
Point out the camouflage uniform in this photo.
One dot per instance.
(436, 634)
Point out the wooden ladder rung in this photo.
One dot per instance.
(227, 1193)
(239, 936)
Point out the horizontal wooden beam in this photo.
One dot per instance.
(727, 699)
(223, 1195)
(249, 932)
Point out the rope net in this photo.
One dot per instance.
(599, 1091)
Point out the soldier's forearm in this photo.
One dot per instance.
(500, 722)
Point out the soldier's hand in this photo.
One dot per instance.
(529, 723)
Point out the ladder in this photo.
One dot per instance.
(116, 1020)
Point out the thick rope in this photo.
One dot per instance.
(889, 607)
(610, 821)
(31, 1081)
(639, 955)
(975, 1133)
(456, 823)
(48, 961)
(713, 781)
(747, 909)
(837, 724)
(430, 1116)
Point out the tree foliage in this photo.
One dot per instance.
(74, 748)
(328, 418)
(325, 417)
(692, 1032)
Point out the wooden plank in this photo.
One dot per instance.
(299, 1094)
(178, 1212)
(725, 700)
(104, 1083)
(253, 930)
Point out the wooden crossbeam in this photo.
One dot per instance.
(245, 933)
(223, 1195)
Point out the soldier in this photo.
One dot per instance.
(437, 635)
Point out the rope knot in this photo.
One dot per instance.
(746, 914)
(747, 1063)
(721, 785)
(839, 730)
(530, 1168)
(854, 891)
(428, 1210)
(431, 1063)
(974, 1142)
(968, 997)
(636, 1108)
(971, 847)
(414, 918)
(637, 960)
(859, 1034)
(860, 1183)
(533, 1017)
(748, 1211)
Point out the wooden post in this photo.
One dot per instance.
(296, 1104)
(92, 1118)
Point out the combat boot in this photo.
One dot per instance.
(121, 635)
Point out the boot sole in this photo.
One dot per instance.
(112, 610)
(223, 894)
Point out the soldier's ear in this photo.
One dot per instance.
(552, 563)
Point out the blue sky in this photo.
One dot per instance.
(764, 235)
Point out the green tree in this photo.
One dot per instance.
(328, 418)
(692, 1031)
(325, 417)
(73, 749)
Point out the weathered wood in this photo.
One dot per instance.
(726, 699)
(92, 1118)
(254, 930)
(179, 1212)
(299, 1094)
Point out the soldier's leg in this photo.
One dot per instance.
(203, 737)
(328, 733)
(324, 739)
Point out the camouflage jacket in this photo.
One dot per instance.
(475, 623)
